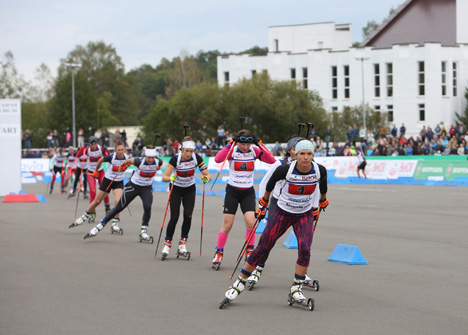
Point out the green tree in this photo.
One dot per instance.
(12, 83)
(369, 28)
(463, 117)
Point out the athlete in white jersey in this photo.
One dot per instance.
(141, 185)
(57, 162)
(181, 172)
(113, 180)
(361, 163)
(240, 190)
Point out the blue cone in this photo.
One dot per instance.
(261, 227)
(291, 241)
(348, 254)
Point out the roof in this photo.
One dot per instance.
(417, 21)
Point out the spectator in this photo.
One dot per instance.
(355, 134)
(402, 130)
(221, 136)
(362, 133)
(170, 149)
(394, 131)
(462, 128)
(461, 149)
(55, 137)
(198, 148)
(175, 146)
(117, 135)
(277, 149)
(98, 135)
(213, 144)
(349, 134)
(27, 139)
(423, 133)
(105, 138)
(80, 137)
(328, 135)
(123, 137)
(452, 131)
(383, 131)
(429, 134)
(49, 139)
(68, 139)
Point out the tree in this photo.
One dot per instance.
(369, 28)
(12, 84)
(463, 117)
(42, 88)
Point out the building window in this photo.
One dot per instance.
(454, 80)
(276, 46)
(254, 72)
(377, 108)
(293, 73)
(346, 81)
(444, 79)
(390, 113)
(422, 112)
(226, 77)
(334, 74)
(421, 79)
(334, 109)
(305, 73)
(376, 80)
(389, 80)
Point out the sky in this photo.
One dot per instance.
(145, 31)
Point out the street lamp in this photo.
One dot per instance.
(73, 66)
(362, 59)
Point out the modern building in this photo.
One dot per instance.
(413, 67)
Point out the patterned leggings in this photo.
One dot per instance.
(280, 222)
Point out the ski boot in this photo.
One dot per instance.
(94, 231)
(71, 193)
(234, 291)
(107, 208)
(166, 249)
(115, 227)
(80, 220)
(182, 251)
(92, 217)
(218, 257)
(313, 284)
(296, 297)
(144, 236)
(248, 251)
(254, 277)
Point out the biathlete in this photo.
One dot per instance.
(184, 164)
(140, 184)
(94, 152)
(297, 207)
(361, 163)
(113, 180)
(81, 174)
(71, 165)
(278, 189)
(240, 188)
(57, 166)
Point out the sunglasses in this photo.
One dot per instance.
(245, 139)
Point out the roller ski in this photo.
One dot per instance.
(144, 237)
(254, 277)
(115, 229)
(92, 217)
(233, 292)
(296, 297)
(80, 220)
(182, 251)
(85, 196)
(71, 194)
(313, 284)
(218, 257)
(166, 249)
(94, 231)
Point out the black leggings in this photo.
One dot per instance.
(131, 192)
(77, 178)
(186, 195)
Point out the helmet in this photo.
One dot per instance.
(93, 140)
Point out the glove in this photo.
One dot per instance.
(123, 167)
(205, 179)
(173, 177)
(316, 213)
(260, 213)
(263, 202)
(323, 204)
(232, 142)
(257, 141)
(96, 174)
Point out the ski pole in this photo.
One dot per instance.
(129, 212)
(244, 248)
(164, 219)
(78, 195)
(202, 214)
(225, 159)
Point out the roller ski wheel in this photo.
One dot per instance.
(164, 256)
(147, 240)
(313, 285)
(74, 224)
(117, 232)
(88, 235)
(185, 255)
(310, 304)
(216, 266)
(224, 302)
(251, 284)
(92, 218)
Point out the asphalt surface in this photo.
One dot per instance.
(415, 239)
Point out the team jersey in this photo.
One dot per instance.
(241, 168)
(185, 170)
(360, 156)
(266, 178)
(144, 173)
(112, 172)
(300, 191)
(71, 160)
(82, 162)
(58, 160)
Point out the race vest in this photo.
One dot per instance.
(93, 157)
(71, 161)
(241, 168)
(143, 174)
(83, 161)
(58, 160)
(279, 185)
(112, 172)
(300, 192)
(185, 171)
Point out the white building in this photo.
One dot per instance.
(415, 65)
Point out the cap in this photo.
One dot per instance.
(292, 142)
(304, 145)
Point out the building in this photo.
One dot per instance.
(413, 67)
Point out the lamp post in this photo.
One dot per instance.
(362, 59)
(73, 66)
